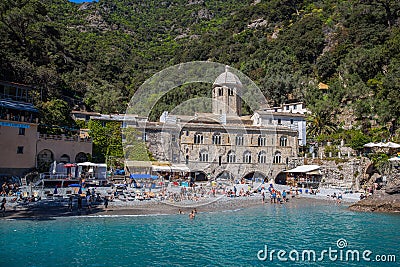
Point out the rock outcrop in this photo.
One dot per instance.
(379, 202)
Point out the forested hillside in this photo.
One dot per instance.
(95, 55)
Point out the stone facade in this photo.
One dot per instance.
(219, 150)
(224, 143)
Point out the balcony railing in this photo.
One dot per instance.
(18, 117)
(65, 138)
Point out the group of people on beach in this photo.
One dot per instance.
(91, 197)
(276, 196)
(9, 189)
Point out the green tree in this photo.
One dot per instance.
(57, 113)
(107, 139)
(358, 140)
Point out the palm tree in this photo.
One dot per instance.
(320, 123)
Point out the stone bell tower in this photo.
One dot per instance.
(226, 94)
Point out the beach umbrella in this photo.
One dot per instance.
(370, 145)
(380, 144)
(69, 165)
(392, 145)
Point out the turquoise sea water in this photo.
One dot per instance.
(231, 238)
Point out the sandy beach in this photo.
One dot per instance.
(47, 209)
(50, 208)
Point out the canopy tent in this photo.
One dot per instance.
(304, 169)
(394, 159)
(97, 170)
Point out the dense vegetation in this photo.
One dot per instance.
(95, 55)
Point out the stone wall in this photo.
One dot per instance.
(343, 172)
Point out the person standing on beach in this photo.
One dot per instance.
(3, 206)
(70, 203)
(106, 202)
(89, 202)
(79, 203)
(284, 196)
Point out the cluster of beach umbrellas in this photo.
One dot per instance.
(383, 145)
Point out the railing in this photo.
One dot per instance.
(64, 138)
(54, 176)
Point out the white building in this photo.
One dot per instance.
(291, 115)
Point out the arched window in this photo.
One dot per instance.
(262, 157)
(44, 159)
(230, 92)
(283, 141)
(203, 157)
(262, 140)
(247, 157)
(216, 139)
(277, 157)
(231, 157)
(220, 91)
(239, 140)
(65, 158)
(198, 138)
(81, 157)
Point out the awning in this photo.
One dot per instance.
(316, 172)
(143, 176)
(91, 164)
(158, 168)
(85, 164)
(11, 104)
(138, 164)
(179, 168)
(304, 169)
